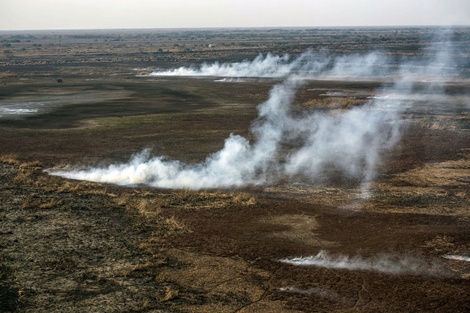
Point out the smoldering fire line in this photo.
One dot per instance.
(353, 141)
(309, 64)
(384, 263)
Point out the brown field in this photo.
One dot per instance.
(74, 246)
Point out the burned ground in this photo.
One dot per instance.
(69, 246)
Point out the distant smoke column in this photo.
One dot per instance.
(307, 65)
(351, 141)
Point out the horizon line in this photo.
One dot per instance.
(237, 27)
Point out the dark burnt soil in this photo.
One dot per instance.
(330, 290)
(66, 252)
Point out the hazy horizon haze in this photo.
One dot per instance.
(121, 14)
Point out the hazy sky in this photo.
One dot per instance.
(97, 14)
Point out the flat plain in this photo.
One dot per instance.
(85, 98)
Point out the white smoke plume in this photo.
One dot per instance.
(458, 258)
(383, 263)
(287, 144)
(308, 65)
(269, 66)
(351, 142)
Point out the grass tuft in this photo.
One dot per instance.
(170, 294)
(9, 159)
(332, 103)
(174, 225)
(34, 201)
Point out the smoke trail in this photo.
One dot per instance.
(319, 292)
(269, 66)
(384, 263)
(323, 293)
(308, 65)
(351, 142)
(458, 257)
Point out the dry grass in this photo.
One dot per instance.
(83, 187)
(175, 226)
(148, 203)
(450, 173)
(209, 200)
(331, 103)
(227, 284)
(432, 189)
(156, 207)
(53, 203)
(31, 173)
(34, 201)
(27, 173)
(437, 189)
(441, 244)
(171, 293)
(344, 198)
(150, 207)
(9, 159)
(300, 228)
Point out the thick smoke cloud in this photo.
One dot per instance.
(384, 263)
(287, 144)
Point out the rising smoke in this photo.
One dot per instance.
(351, 142)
